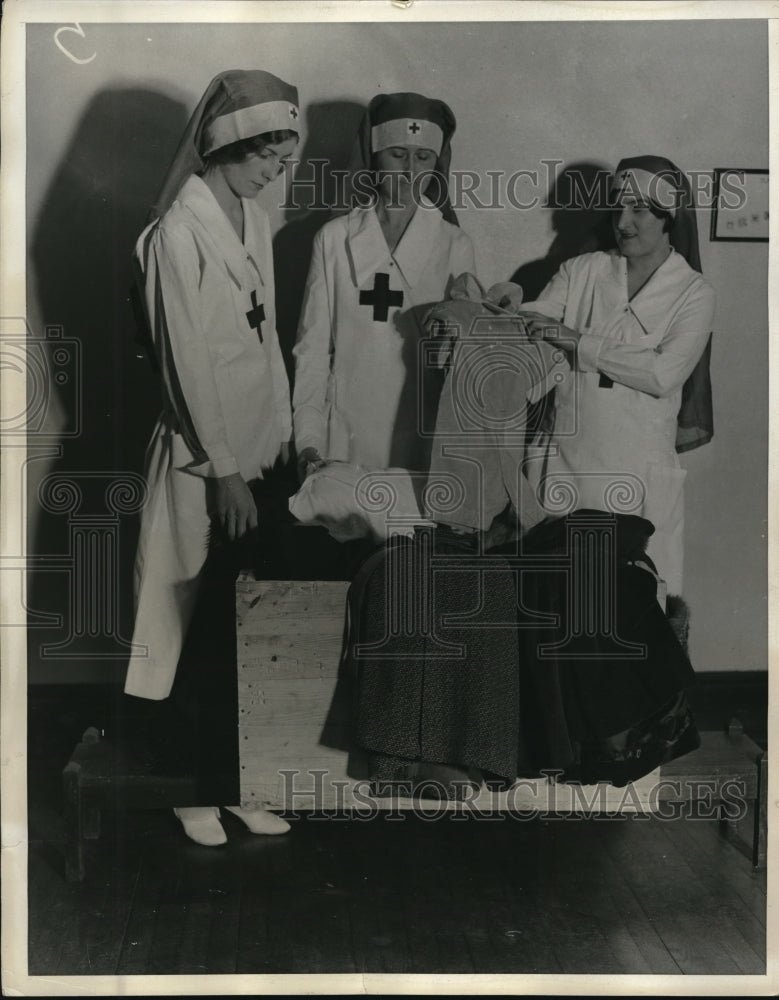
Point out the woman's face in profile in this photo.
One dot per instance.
(247, 177)
(638, 231)
(399, 166)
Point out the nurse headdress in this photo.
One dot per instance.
(238, 104)
(662, 184)
(409, 119)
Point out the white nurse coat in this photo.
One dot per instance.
(362, 392)
(210, 304)
(613, 443)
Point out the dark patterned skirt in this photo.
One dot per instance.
(549, 654)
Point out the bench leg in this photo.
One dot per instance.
(90, 822)
(760, 841)
(74, 842)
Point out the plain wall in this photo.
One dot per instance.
(100, 135)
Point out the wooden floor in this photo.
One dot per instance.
(455, 895)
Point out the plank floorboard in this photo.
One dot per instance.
(138, 937)
(742, 933)
(450, 896)
(583, 943)
(447, 917)
(654, 954)
(600, 937)
(50, 905)
(88, 918)
(92, 935)
(331, 851)
(732, 867)
(256, 911)
(673, 900)
(195, 933)
(377, 912)
(513, 935)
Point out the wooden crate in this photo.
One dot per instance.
(290, 638)
(294, 726)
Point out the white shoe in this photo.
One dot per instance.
(259, 820)
(201, 824)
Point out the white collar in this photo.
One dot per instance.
(369, 250)
(196, 196)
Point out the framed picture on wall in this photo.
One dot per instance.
(739, 210)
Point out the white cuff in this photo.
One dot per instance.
(588, 352)
(217, 467)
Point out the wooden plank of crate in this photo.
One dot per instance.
(289, 656)
(283, 701)
(293, 629)
(297, 745)
(290, 600)
(262, 791)
(311, 625)
(290, 638)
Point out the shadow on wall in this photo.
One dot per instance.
(93, 212)
(579, 225)
(313, 199)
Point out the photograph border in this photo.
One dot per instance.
(13, 729)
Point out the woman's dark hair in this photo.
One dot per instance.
(658, 213)
(237, 152)
(667, 218)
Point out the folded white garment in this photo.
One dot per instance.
(351, 502)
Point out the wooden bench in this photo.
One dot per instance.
(98, 776)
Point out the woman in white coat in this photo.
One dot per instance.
(636, 326)
(206, 271)
(362, 392)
